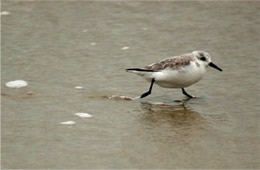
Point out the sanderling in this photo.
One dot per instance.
(176, 72)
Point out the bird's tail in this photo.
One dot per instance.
(141, 72)
(134, 70)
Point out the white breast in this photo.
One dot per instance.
(179, 78)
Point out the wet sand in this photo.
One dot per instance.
(58, 47)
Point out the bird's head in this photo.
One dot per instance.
(205, 59)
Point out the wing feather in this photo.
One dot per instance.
(175, 62)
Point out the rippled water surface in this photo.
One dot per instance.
(55, 46)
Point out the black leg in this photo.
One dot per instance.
(149, 91)
(185, 93)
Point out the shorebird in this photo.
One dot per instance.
(176, 72)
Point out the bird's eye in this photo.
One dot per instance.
(203, 58)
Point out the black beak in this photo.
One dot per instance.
(214, 66)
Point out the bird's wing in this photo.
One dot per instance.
(175, 62)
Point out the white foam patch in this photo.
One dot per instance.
(125, 48)
(157, 103)
(93, 43)
(5, 13)
(123, 97)
(83, 115)
(78, 87)
(16, 84)
(68, 123)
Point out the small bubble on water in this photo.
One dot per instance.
(83, 115)
(68, 123)
(16, 84)
(125, 48)
(5, 13)
(79, 87)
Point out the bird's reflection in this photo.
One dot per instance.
(179, 114)
(170, 120)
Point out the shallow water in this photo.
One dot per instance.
(56, 46)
